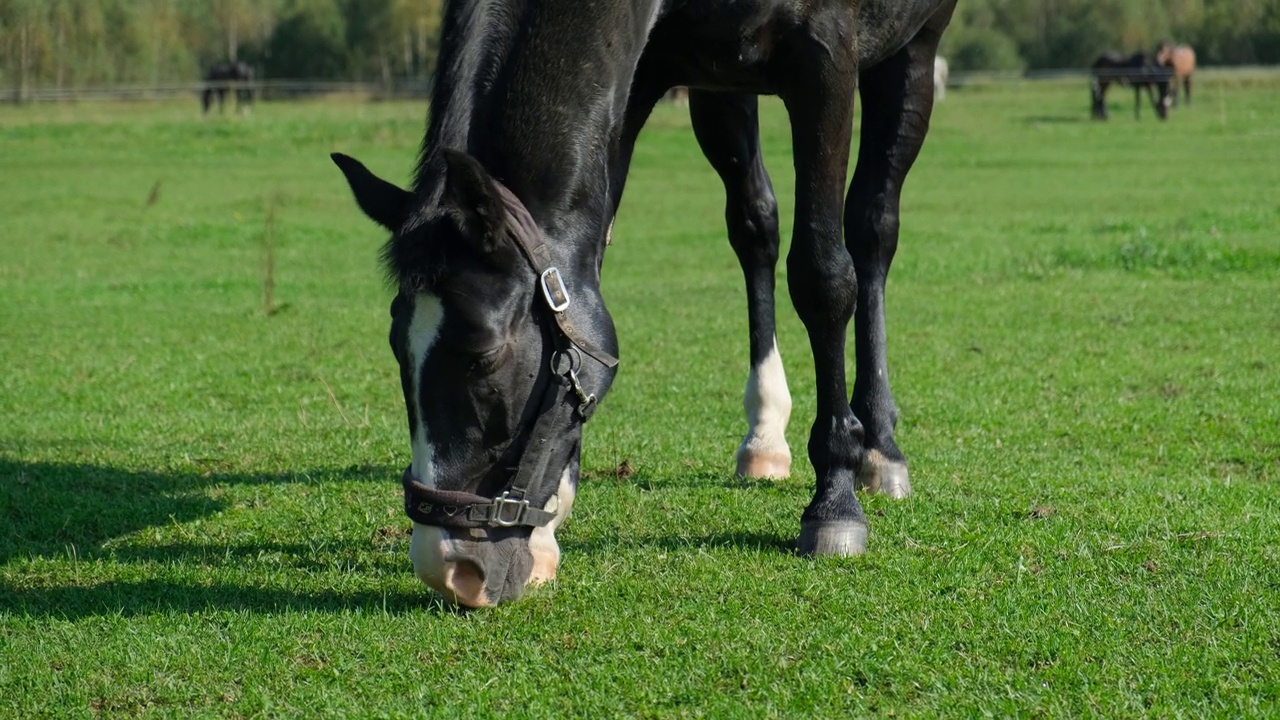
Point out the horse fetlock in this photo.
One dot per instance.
(757, 461)
(879, 474)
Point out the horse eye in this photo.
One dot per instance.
(490, 360)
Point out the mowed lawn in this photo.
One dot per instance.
(199, 487)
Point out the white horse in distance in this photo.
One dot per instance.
(940, 73)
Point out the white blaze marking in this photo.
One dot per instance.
(768, 405)
(427, 547)
(424, 327)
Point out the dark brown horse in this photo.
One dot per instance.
(1182, 60)
(1133, 71)
(226, 77)
(498, 324)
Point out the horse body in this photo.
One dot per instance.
(227, 76)
(498, 324)
(1182, 60)
(1133, 71)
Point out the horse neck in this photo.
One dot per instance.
(535, 92)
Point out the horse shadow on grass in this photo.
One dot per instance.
(71, 513)
(748, 541)
(58, 518)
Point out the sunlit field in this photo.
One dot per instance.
(201, 433)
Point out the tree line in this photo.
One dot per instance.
(1043, 34)
(73, 43)
(78, 43)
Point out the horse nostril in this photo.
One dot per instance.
(464, 583)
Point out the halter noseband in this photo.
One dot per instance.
(453, 509)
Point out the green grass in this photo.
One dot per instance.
(200, 500)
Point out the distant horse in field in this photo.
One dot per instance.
(499, 326)
(1182, 60)
(227, 76)
(941, 71)
(1134, 71)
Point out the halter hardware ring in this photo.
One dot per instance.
(504, 500)
(566, 362)
(553, 289)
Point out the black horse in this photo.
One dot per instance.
(498, 324)
(224, 77)
(1137, 72)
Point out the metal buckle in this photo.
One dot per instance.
(557, 296)
(501, 502)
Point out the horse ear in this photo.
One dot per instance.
(472, 191)
(382, 201)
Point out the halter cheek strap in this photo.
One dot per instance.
(451, 509)
(528, 237)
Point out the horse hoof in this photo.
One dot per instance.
(833, 538)
(770, 465)
(879, 474)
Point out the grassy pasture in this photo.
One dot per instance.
(199, 494)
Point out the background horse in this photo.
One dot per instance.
(1182, 60)
(1134, 71)
(499, 324)
(227, 76)
(941, 72)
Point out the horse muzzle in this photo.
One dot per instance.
(477, 567)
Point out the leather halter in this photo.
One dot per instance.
(453, 509)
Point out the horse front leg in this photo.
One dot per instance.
(823, 288)
(897, 101)
(727, 128)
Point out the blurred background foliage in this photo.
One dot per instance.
(74, 43)
(1042, 34)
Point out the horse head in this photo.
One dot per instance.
(498, 370)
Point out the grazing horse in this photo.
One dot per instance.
(1182, 59)
(226, 76)
(941, 72)
(498, 323)
(1136, 72)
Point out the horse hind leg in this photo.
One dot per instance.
(897, 102)
(727, 128)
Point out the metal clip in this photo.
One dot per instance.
(584, 399)
(553, 289)
(500, 504)
(564, 366)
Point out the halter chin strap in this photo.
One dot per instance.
(443, 508)
(451, 509)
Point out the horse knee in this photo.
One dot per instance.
(823, 286)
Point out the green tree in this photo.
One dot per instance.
(309, 42)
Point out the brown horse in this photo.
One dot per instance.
(1183, 61)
